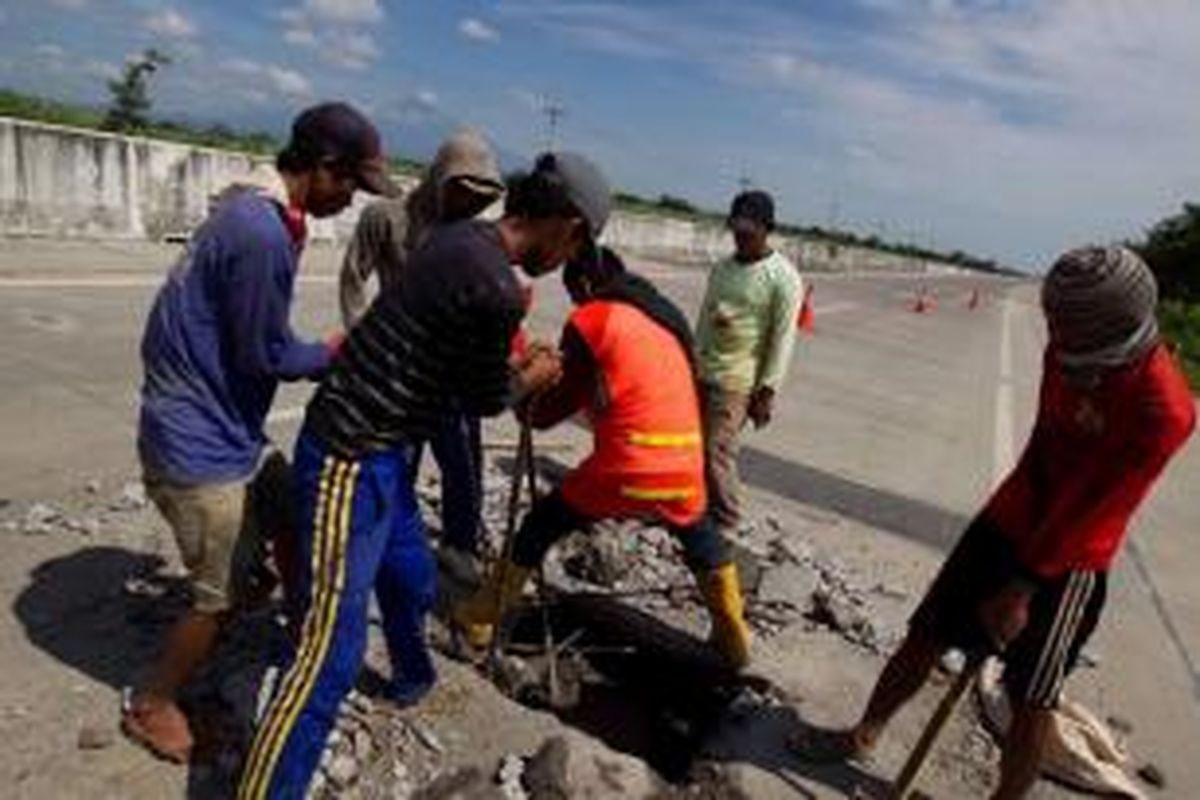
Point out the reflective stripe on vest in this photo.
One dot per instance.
(646, 439)
(676, 493)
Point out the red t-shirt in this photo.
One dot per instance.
(1091, 460)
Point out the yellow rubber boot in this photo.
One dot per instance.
(478, 615)
(722, 591)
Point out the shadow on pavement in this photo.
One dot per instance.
(759, 741)
(914, 519)
(101, 610)
(104, 611)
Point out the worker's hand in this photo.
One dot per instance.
(334, 342)
(538, 370)
(529, 348)
(761, 406)
(1005, 614)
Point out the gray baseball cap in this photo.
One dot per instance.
(585, 185)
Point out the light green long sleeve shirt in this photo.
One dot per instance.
(747, 325)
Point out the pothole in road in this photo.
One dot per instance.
(624, 677)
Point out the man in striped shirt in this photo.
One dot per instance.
(439, 339)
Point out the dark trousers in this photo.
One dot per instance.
(360, 532)
(458, 450)
(552, 519)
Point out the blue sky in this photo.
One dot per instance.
(1009, 128)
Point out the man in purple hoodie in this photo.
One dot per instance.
(216, 345)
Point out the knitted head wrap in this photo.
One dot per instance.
(1099, 304)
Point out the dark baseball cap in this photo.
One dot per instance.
(585, 186)
(339, 132)
(754, 205)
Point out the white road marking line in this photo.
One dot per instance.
(1003, 453)
(120, 282)
(1138, 559)
(835, 308)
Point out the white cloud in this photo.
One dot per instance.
(350, 50)
(337, 30)
(634, 31)
(102, 69)
(50, 51)
(243, 66)
(416, 107)
(282, 79)
(289, 82)
(344, 11)
(1048, 125)
(477, 30)
(787, 67)
(1022, 127)
(292, 16)
(300, 37)
(255, 97)
(170, 23)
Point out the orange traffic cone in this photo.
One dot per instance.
(807, 319)
(973, 302)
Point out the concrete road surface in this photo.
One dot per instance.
(899, 420)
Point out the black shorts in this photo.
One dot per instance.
(1062, 615)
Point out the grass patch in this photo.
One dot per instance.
(1180, 324)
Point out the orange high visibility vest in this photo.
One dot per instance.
(648, 456)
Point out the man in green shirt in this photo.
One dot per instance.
(745, 335)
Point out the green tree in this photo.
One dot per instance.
(130, 93)
(1172, 249)
(673, 203)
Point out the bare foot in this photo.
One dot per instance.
(159, 726)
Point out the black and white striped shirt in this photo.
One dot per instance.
(437, 340)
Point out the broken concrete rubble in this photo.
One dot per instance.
(41, 518)
(378, 751)
(132, 497)
(792, 585)
(96, 737)
(508, 777)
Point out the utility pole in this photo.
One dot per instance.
(554, 113)
(834, 213)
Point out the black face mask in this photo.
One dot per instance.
(537, 262)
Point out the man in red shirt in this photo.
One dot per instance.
(1027, 579)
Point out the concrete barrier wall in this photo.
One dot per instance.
(74, 183)
(675, 239)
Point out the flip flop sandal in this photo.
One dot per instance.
(135, 730)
